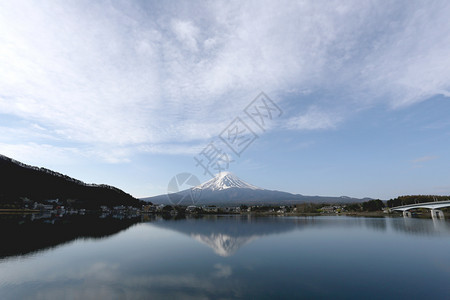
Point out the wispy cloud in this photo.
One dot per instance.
(313, 119)
(186, 33)
(424, 159)
(121, 77)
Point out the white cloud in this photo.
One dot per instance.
(313, 119)
(181, 149)
(40, 154)
(186, 33)
(120, 77)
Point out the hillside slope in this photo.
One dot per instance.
(20, 181)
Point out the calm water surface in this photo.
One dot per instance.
(224, 257)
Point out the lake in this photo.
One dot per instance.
(221, 257)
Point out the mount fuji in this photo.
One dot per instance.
(226, 189)
(223, 181)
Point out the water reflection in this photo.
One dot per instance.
(226, 234)
(247, 257)
(26, 234)
(424, 227)
(377, 224)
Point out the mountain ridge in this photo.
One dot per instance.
(24, 183)
(228, 189)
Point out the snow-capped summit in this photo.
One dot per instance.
(225, 180)
(228, 190)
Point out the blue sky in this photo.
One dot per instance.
(127, 93)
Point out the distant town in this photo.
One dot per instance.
(60, 208)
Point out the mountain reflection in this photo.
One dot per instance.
(144, 262)
(227, 234)
(27, 234)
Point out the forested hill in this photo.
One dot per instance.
(21, 183)
(413, 199)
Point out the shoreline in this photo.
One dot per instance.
(17, 211)
(375, 214)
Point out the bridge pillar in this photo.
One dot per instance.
(437, 214)
(407, 214)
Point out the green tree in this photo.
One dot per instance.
(373, 205)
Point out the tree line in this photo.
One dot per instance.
(413, 199)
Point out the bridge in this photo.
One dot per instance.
(432, 206)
